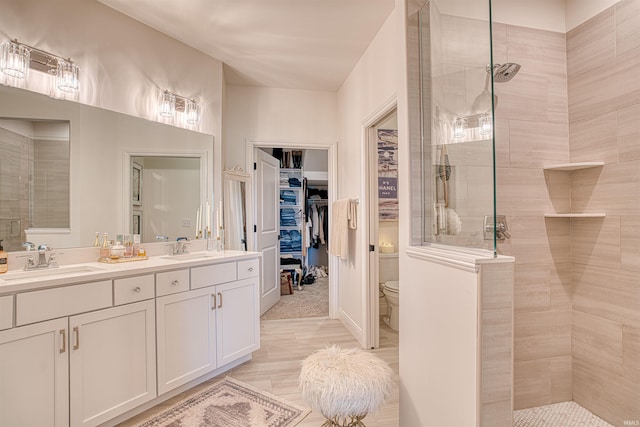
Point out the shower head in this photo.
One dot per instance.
(502, 73)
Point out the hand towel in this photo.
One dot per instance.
(339, 235)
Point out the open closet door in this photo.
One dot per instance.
(267, 226)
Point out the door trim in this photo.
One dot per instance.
(332, 148)
(370, 297)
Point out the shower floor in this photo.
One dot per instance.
(565, 414)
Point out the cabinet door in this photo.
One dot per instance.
(34, 375)
(112, 363)
(186, 337)
(238, 319)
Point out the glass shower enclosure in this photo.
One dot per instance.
(456, 77)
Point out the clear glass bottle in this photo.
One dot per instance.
(96, 242)
(117, 251)
(104, 250)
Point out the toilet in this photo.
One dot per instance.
(388, 275)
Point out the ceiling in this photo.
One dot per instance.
(296, 44)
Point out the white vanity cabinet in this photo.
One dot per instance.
(185, 325)
(112, 362)
(210, 326)
(34, 375)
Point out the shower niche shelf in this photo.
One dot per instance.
(573, 167)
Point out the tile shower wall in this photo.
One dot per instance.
(603, 62)
(532, 131)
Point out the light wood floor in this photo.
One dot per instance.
(276, 366)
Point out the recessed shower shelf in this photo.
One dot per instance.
(576, 215)
(573, 166)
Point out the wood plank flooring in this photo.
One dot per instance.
(276, 366)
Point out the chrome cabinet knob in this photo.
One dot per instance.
(137, 289)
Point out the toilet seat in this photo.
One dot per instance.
(392, 286)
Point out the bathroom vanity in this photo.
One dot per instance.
(91, 343)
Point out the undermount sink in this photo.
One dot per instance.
(21, 275)
(192, 257)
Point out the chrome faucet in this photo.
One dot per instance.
(43, 261)
(180, 246)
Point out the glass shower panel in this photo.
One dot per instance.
(457, 124)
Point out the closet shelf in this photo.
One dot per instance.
(576, 215)
(573, 166)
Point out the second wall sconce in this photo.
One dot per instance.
(16, 59)
(170, 103)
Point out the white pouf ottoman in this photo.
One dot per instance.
(345, 385)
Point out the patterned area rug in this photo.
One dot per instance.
(565, 414)
(229, 403)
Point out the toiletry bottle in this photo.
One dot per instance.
(117, 251)
(104, 250)
(96, 242)
(4, 263)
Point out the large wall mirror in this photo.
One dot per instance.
(98, 196)
(237, 199)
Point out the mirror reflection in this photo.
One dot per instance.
(165, 196)
(99, 195)
(34, 177)
(236, 200)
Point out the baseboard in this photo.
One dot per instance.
(352, 326)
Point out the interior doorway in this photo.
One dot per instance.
(306, 192)
(382, 189)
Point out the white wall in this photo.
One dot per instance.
(579, 11)
(276, 115)
(371, 84)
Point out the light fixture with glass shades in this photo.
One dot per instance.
(466, 128)
(170, 104)
(18, 58)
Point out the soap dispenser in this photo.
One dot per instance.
(4, 264)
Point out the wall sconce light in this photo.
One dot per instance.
(170, 103)
(17, 58)
(458, 127)
(484, 122)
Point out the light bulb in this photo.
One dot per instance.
(192, 112)
(167, 104)
(15, 59)
(485, 124)
(68, 77)
(458, 127)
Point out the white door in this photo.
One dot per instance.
(112, 362)
(186, 337)
(237, 320)
(267, 178)
(34, 375)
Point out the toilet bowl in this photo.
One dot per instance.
(392, 296)
(388, 277)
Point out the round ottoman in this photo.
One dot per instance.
(345, 385)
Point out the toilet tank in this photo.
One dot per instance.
(388, 267)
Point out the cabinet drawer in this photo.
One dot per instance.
(213, 275)
(133, 289)
(6, 312)
(47, 304)
(171, 282)
(249, 268)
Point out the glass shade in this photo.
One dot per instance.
(15, 59)
(485, 124)
(68, 77)
(192, 112)
(167, 106)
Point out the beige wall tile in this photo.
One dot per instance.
(561, 286)
(597, 341)
(631, 352)
(607, 88)
(627, 17)
(523, 98)
(542, 334)
(465, 41)
(629, 133)
(532, 383)
(591, 44)
(522, 191)
(608, 189)
(538, 51)
(497, 346)
(561, 379)
(497, 414)
(596, 241)
(502, 142)
(630, 242)
(595, 139)
(499, 42)
(497, 286)
(557, 101)
(607, 292)
(535, 240)
(609, 396)
(535, 144)
(532, 287)
(559, 189)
